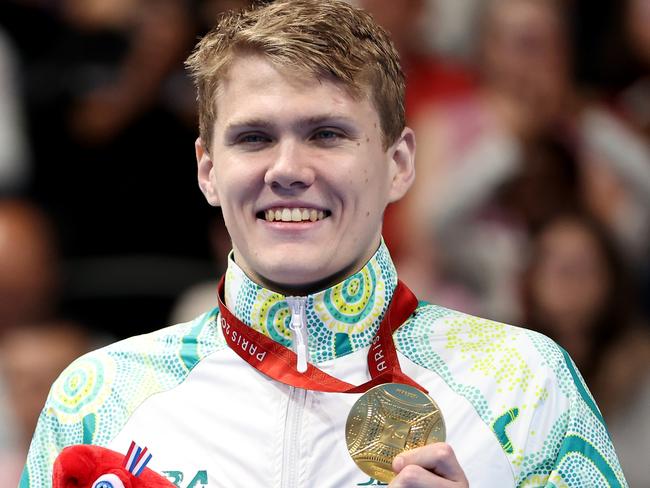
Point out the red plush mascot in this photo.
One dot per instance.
(97, 467)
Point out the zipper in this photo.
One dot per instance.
(297, 396)
(291, 452)
(298, 328)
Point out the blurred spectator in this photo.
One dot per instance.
(616, 136)
(429, 78)
(576, 294)
(454, 23)
(527, 125)
(31, 357)
(616, 180)
(634, 100)
(469, 147)
(113, 154)
(157, 33)
(29, 286)
(14, 162)
(29, 274)
(575, 290)
(615, 57)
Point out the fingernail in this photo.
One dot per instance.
(398, 464)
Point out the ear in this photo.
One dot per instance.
(402, 159)
(205, 173)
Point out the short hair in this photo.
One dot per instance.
(328, 39)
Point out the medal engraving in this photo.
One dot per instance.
(387, 420)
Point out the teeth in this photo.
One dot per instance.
(293, 215)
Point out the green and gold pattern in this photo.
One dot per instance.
(83, 390)
(492, 351)
(340, 320)
(95, 396)
(495, 368)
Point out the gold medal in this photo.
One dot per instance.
(387, 420)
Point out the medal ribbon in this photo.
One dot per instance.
(279, 362)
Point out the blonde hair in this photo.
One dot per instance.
(328, 39)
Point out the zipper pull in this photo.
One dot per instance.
(298, 326)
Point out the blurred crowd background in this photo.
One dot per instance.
(532, 201)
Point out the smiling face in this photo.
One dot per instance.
(299, 170)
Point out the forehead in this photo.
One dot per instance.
(252, 83)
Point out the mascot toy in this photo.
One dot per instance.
(85, 466)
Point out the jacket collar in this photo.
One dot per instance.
(340, 319)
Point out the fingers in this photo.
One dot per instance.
(414, 476)
(437, 458)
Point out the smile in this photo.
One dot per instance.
(284, 214)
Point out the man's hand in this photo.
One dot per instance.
(431, 466)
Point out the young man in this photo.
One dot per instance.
(303, 144)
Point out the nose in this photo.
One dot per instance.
(290, 169)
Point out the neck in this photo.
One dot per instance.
(309, 287)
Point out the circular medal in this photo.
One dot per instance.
(389, 419)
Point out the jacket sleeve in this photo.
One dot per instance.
(586, 455)
(50, 437)
(61, 423)
(578, 451)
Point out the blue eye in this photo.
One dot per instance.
(108, 481)
(252, 139)
(326, 134)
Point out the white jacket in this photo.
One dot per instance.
(517, 413)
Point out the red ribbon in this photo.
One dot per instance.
(279, 362)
